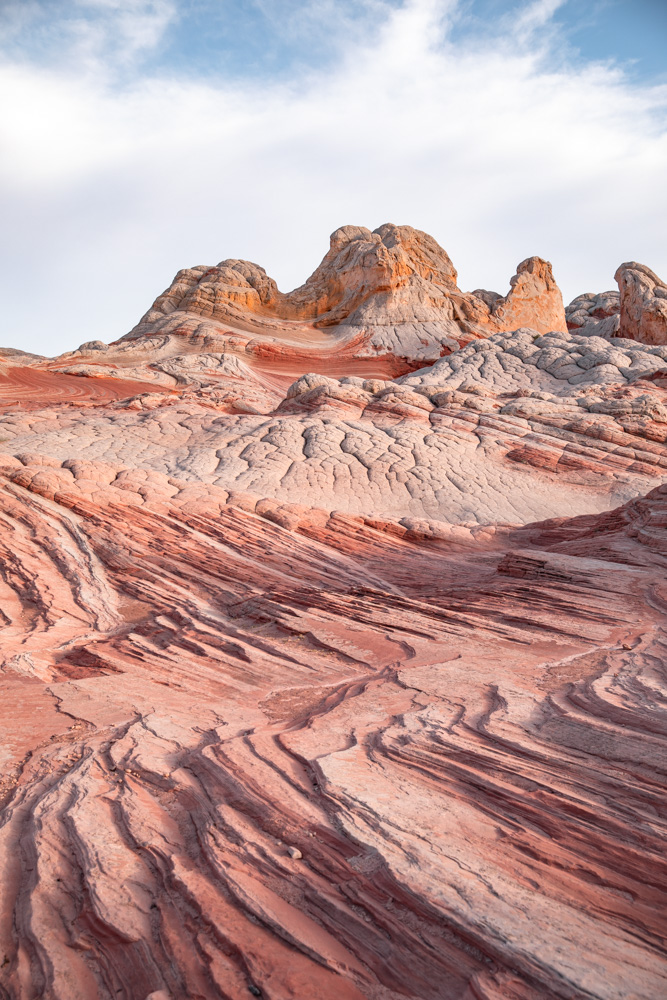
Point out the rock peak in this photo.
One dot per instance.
(393, 288)
(643, 304)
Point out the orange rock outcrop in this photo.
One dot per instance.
(388, 297)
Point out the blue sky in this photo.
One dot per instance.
(141, 136)
(630, 33)
(272, 39)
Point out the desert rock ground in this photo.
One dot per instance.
(333, 641)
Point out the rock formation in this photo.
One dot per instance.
(390, 295)
(638, 311)
(333, 641)
(643, 304)
(597, 315)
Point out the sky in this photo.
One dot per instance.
(138, 137)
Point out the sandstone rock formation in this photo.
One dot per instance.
(332, 664)
(597, 315)
(643, 304)
(390, 295)
(638, 311)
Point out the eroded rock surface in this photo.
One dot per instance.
(326, 671)
(596, 315)
(638, 311)
(389, 296)
(643, 304)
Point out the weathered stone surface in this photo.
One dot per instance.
(596, 315)
(643, 304)
(534, 300)
(638, 311)
(389, 296)
(322, 676)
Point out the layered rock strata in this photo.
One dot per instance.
(325, 680)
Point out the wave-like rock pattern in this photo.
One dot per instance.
(320, 682)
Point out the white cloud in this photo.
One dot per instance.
(495, 149)
(123, 29)
(95, 36)
(534, 16)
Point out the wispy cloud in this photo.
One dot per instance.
(85, 36)
(494, 145)
(126, 27)
(534, 16)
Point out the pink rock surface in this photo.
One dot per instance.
(325, 682)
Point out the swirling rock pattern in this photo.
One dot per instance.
(326, 681)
